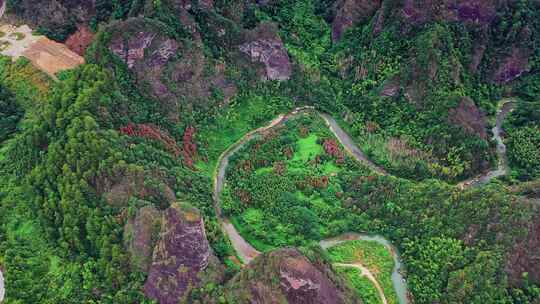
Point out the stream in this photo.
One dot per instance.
(247, 253)
(506, 106)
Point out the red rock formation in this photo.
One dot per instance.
(513, 66)
(190, 148)
(286, 276)
(182, 259)
(153, 57)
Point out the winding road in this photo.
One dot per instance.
(2, 291)
(247, 253)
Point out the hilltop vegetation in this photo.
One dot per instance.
(96, 164)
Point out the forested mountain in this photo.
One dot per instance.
(250, 151)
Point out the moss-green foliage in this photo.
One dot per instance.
(10, 114)
(306, 35)
(422, 69)
(523, 140)
(246, 112)
(355, 199)
(70, 147)
(523, 145)
(308, 148)
(61, 243)
(286, 173)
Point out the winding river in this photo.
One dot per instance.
(246, 252)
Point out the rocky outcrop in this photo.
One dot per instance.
(265, 46)
(525, 257)
(169, 70)
(182, 259)
(470, 12)
(469, 118)
(351, 12)
(480, 12)
(512, 66)
(286, 276)
(140, 234)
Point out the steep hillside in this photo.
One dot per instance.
(275, 123)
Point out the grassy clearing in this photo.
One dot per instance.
(308, 148)
(376, 257)
(17, 36)
(364, 287)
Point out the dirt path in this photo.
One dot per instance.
(49, 56)
(365, 272)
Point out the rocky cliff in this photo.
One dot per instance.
(287, 276)
(182, 258)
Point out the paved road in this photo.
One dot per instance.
(2, 291)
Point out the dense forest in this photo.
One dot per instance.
(109, 170)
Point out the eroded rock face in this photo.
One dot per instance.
(132, 49)
(469, 117)
(171, 71)
(266, 47)
(473, 12)
(481, 12)
(182, 258)
(525, 257)
(285, 276)
(80, 40)
(350, 12)
(513, 66)
(141, 234)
